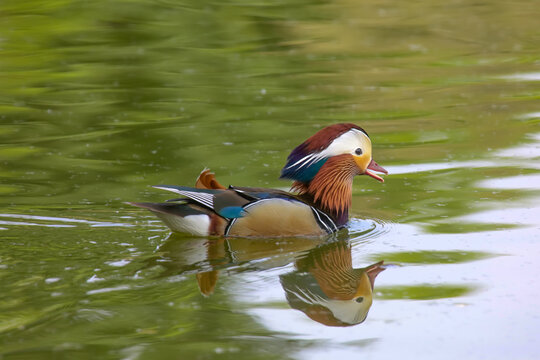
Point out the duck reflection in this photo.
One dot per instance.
(328, 289)
(269, 253)
(207, 257)
(324, 284)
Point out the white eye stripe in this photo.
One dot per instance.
(347, 143)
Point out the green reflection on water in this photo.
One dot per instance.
(423, 292)
(433, 257)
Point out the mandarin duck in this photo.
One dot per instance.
(328, 289)
(322, 167)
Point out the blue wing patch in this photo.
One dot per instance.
(232, 212)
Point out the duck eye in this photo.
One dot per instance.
(358, 151)
(360, 299)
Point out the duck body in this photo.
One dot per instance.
(245, 212)
(323, 168)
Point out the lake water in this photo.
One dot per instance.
(100, 99)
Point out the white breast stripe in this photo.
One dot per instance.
(316, 213)
(324, 223)
(330, 221)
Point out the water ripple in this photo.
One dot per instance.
(367, 229)
(56, 221)
(532, 76)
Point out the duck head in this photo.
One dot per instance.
(323, 166)
(347, 140)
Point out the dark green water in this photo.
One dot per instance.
(100, 99)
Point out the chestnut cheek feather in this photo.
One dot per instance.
(332, 186)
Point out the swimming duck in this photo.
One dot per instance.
(322, 167)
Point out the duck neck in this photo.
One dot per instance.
(331, 188)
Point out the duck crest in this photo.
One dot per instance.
(306, 159)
